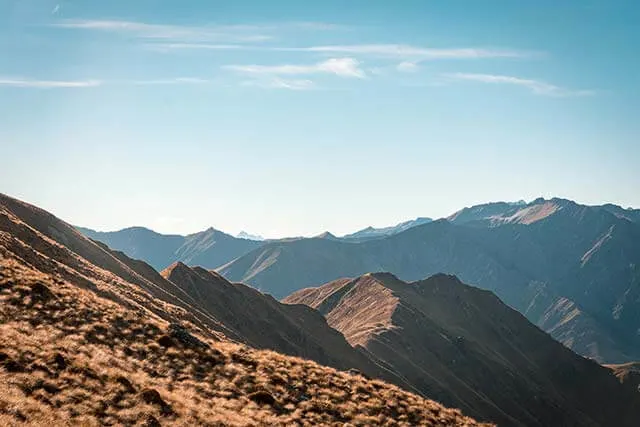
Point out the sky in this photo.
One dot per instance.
(286, 118)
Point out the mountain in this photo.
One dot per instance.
(375, 233)
(245, 235)
(495, 214)
(326, 235)
(263, 322)
(464, 347)
(90, 336)
(236, 311)
(210, 248)
(572, 269)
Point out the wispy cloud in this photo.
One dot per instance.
(407, 67)
(193, 46)
(48, 84)
(343, 67)
(415, 52)
(279, 83)
(407, 53)
(174, 81)
(194, 33)
(235, 33)
(536, 86)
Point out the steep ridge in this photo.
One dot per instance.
(263, 322)
(76, 350)
(569, 268)
(464, 346)
(238, 312)
(210, 248)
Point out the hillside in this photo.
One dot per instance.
(210, 248)
(114, 342)
(236, 311)
(72, 357)
(463, 346)
(571, 269)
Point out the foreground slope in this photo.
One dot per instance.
(71, 357)
(235, 311)
(463, 346)
(82, 344)
(571, 269)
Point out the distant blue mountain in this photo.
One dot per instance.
(370, 233)
(210, 248)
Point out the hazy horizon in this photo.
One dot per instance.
(267, 237)
(293, 118)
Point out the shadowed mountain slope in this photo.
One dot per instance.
(465, 347)
(571, 269)
(210, 248)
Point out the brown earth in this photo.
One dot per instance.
(117, 344)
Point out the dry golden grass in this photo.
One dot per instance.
(71, 357)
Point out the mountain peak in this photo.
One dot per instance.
(178, 268)
(327, 236)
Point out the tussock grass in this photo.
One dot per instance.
(71, 357)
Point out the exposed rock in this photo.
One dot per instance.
(181, 334)
(152, 397)
(60, 362)
(263, 398)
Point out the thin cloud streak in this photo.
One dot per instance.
(48, 84)
(278, 83)
(343, 67)
(408, 53)
(174, 81)
(237, 33)
(418, 53)
(538, 87)
(185, 33)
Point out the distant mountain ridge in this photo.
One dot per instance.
(245, 235)
(374, 233)
(572, 269)
(210, 248)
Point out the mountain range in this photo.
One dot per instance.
(210, 248)
(570, 268)
(89, 336)
(573, 270)
(183, 346)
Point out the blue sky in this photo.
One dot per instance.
(291, 118)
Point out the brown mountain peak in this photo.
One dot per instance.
(175, 269)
